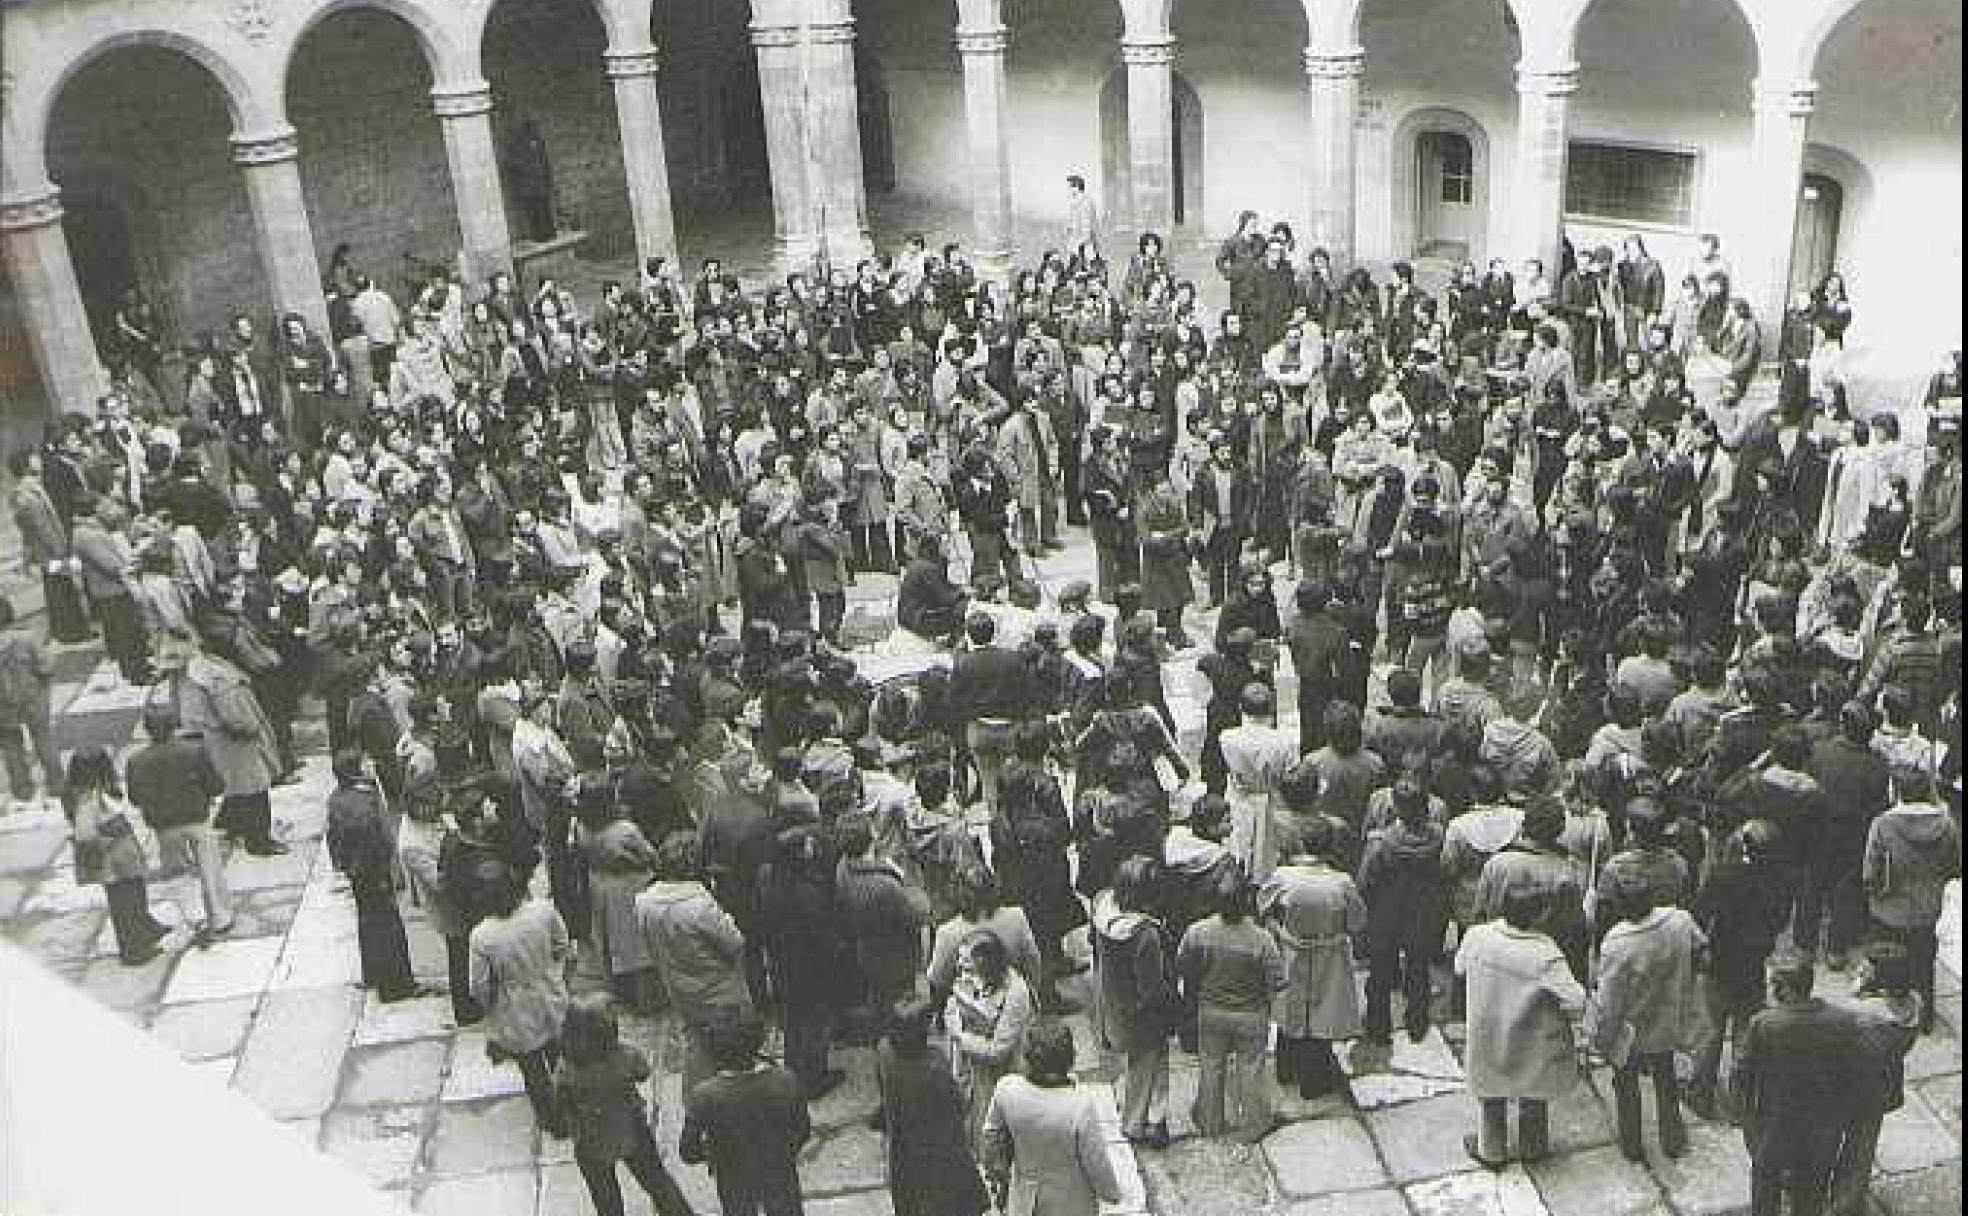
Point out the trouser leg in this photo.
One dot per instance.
(209, 859)
(129, 917)
(1145, 1089)
(1417, 983)
(536, 1067)
(457, 965)
(1213, 1043)
(1383, 968)
(1626, 1108)
(646, 1164)
(1851, 1175)
(20, 777)
(603, 1186)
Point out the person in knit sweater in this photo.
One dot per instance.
(1911, 852)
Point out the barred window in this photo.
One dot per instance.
(1629, 184)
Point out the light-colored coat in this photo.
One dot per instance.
(1027, 452)
(516, 974)
(216, 701)
(1050, 1140)
(1314, 910)
(698, 951)
(1522, 1001)
(1647, 982)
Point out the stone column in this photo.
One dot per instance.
(269, 162)
(50, 301)
(794, 223)
(1776, 178)
(465, 113)
(1537, 195)
(983, 54)
(645, 163)
(1333, 85)
(1150, 64)
(833, 106)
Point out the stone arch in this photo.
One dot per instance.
(1580, 11)
(1804, 62)
(247, 109)
(453, 61)
(1403, 149)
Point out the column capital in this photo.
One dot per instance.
(462, 100)
(1795, 99)
(838, 30)
(1150, 50)
(774, 35)
(1558, 80)
(39, 208)
(1345, 64)
(629, 63)
(270, 147)
(989, 40)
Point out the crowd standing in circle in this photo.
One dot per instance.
(1673, 693)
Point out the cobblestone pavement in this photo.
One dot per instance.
(404, 1096)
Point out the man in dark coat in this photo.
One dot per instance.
(1795, 1077)
(1319, 642)
(747, 1123)
(1857, 789)
(359, 845)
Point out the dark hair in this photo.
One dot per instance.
(1049, 1052)
(908, 1026)
(92, 768)
(500, 890)
(590, 1031)
(1233, 897)
(735, 1041)
(1342, 722)
(987, 953)
(1891, 967)
(1523, 905)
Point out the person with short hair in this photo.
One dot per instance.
(172, 781)
(27, 669)
(107, 852)
(1911, 853)
(1044, 1148)
(1643, 1009)
(359, 845)
(518, 976)
(1136, 996)
(1523, 1000)
(932, 1164)
(1313, 908)
(598, 1086)
(1230, 970)
(747, 1122)
(1796, 1075)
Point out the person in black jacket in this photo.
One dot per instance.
(359, 845)
(990, 689)
(747, 1124)
(984, 503)
(1407, 899)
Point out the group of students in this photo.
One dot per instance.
(501, 539)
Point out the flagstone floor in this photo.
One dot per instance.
(402, 1095)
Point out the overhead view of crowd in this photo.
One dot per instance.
(1564, 671)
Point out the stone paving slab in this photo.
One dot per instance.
(1509, 1192)
(507, 1193)
(293, 1060)
(395, 1074)
(1713, 1178)
(473, 1075)
(1597, 1182)
(233, 967)
(206, 1030)
(1943, 1097)
(1912, 1138)
(1198, 1175)
(385, 1143)
(1931, 1192)
(1381, 1202)
(1424, 1139)
(1323, 1156)
(423, 1017)
(479, 1137)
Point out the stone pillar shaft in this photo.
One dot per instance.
(1333, 88)
(465, 114)
(794, 223)
(638, 113)
(983, 55)
(51, 307)
(1776, 156)
(269, 165)
(1544, 103)
(1151, 130)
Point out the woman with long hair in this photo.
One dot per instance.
(108, 852)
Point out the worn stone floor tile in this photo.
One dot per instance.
(506, 1193)
(1424, 1139)
(384, 1142)
(292, 1065)
(1200, 1175)
(61, 938)
(1943, 1097)
(58, 894)
(852, 1158)
(1713, 1178)
(14, 890)
(397, 1021)
(323, 918)
(219, 1070)
(317, 963)
(32, 848)
(395, 1074)
(1928, 1192)
(128, 988)
(1479, 1193)
(206, 1029)
(1384, 1201)
(1597, 1182)
(479, 1137)
(473, 1076)
(233, 967)
(1322, 1156)
(1912, 1138)
(1933, 1055)
(245, 872)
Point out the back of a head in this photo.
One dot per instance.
(1523, 905)
(980, 629)
(1792, 973)
(908, 1026)
(1404, 688)
(1342, 722)
(1049, 1051)
(160, 720)
(1790, 747)
(1647, 822)
(1890, 968)
(499, 889)
(1134, 884)
(735, 1041)
(1257, 701)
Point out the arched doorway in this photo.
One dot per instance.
(554, 121)
(373, 164)
(1440, 164)
(1814, 241)
(713, 121)
(1186, 163)
(138, 142)
(877, 136)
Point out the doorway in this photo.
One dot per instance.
(877, 137)
(1814, 242)
(1186, 163)
(1445, 195)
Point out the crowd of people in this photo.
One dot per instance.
(1670, 689)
